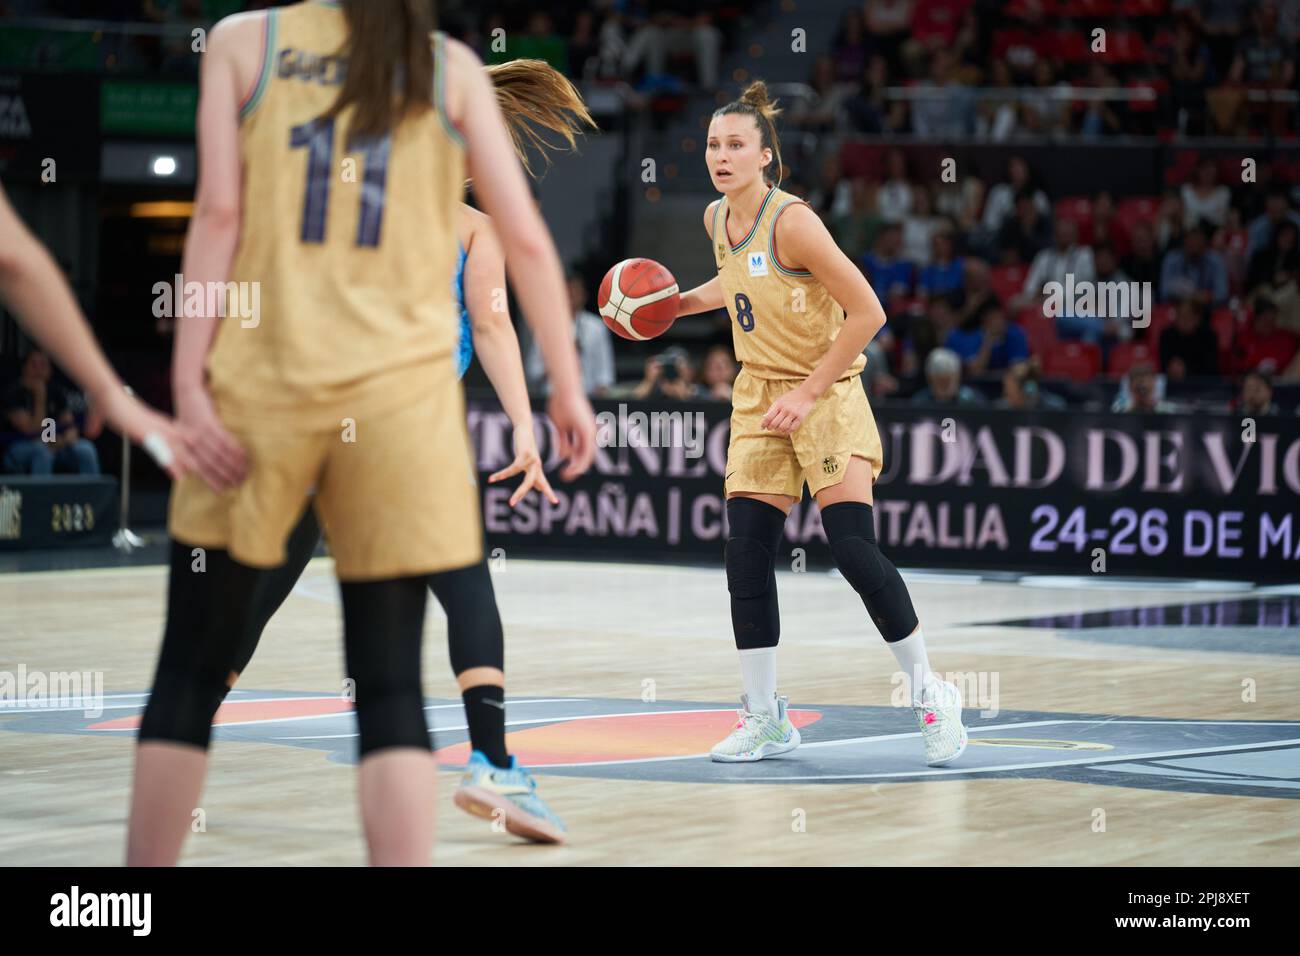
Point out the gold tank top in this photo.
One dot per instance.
(782, 320)
(352, 249)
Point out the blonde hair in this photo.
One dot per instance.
(754, 102)
(532, 92)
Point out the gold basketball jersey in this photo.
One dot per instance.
(352, 250)
(783, 320)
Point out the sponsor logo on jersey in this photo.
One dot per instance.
(757, 264)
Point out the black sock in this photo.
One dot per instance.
(485, 712)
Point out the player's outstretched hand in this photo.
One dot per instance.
(576, 423)
(529, 462)
(788, 412)
(218, 457)
(168, 444)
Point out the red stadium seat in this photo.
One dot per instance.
(1132, 209)
(1142, 8)
(1088, 8)
(1124, 355)
(1070, 46)
(1007, 281)
(1224, 323)
(1040, 330)
(1078, 361)
(1124, 46)
(1162, 316)
(1078, 209)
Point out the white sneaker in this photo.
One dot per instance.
(757, 735)
(939, 718)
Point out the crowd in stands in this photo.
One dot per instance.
(995, 69)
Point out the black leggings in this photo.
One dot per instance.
(474, 635)
(210, 609)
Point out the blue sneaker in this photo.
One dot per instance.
(486, 790)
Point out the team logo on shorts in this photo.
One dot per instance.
(830, 466)
(757, 264)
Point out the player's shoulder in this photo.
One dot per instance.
(793, 214)
(237, 29)
(710, 211)
(460, 56)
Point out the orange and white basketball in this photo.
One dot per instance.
(638, 299)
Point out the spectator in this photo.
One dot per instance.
(920, 226)
(28, 405)
(1044, 111)
(1169, 221)
(996, 344)
(977, 295)
(1230, 242)
(821, 112)
(875, 375)
(669, 374)
(1026, 234)
(719, 373)
(889, 21)
(1102, 117)
(1021, 390)
(1142, 264)
(998, 116)
(851, 49)
(1265, 346)
(1105, 227)
(1256, 396)
(888, 272)
(935, 22)
(943, 382)
(1204, 198)
(1277, 209)
(926, 333)
(1064, 258)
(943, 276)
(1274, 271)
(1142, 391)
(867, 110)
(1261, 59)
(856, 229)
(1000, 205)
(1189, 347)
(1108, 329)
(894, 199)
(1195, 271)
(595, 345)
(949, 110)
(1191, 72)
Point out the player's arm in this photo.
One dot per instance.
(805, 243)
(211, 241)
(706, 297)
(533, 263)
(32, 287)
(497, 347)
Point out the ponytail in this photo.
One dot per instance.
(533, 92)
(390, 65)
(754, 102)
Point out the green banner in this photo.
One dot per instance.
(155, 108)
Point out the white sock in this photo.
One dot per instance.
(758, 671)
(912, 659)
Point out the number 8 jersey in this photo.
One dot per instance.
(783, 319)
(352, 250)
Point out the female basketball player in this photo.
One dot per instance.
(333, 143)
(527, 91)
(33, 289)
(802, 314)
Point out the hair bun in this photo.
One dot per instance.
(755, 94)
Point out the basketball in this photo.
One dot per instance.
(638, 299)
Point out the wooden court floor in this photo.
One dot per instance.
(1141, 737)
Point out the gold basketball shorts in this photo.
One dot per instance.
(395, 491)
(839, 426)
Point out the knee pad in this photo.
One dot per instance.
(474, 637)
(852, 536)
(383, 626)
(207, 613)
(749, 567)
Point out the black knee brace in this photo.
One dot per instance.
(852, 536)
(208, 609)
(383, 625)
(474, 636)
(755, 530)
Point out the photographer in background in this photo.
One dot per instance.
(670, 374)
(1021, 390)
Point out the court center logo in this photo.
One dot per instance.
(670, 741)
